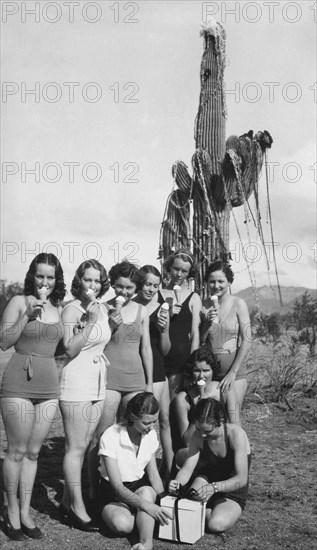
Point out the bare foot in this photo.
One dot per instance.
(140, 546)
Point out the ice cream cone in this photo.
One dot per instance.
(214, 304)
(163, 311)
(201, 387)
(177, 291)
(89, 293)
(42, 292)
(119, 303)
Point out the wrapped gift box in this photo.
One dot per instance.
(191, 520)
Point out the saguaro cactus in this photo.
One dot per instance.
(224, 173)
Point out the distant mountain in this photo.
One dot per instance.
(269, 297)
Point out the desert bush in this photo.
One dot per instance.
(281, 368)
(7, 291)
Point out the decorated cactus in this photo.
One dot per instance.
(225, 174)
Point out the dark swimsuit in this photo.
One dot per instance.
(218, 468)
(31, 372)
(125, 372)
(158, 360)
(180, 330)
(177, 440)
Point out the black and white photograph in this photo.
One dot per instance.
(158, 274)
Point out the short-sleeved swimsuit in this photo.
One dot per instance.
(84, 376)
(31, 373)
(224, 339)
(180, 330)
(125, 372)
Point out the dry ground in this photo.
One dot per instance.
(281, 511)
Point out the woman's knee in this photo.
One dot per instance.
(32, 454)
(147, 492)
(16, 454)
(121, 522)
(219, 523)
(75, 450)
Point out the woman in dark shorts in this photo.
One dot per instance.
(218, 465)
(29, 391)
(130, 481)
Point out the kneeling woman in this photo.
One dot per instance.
(219, 460)
(129, 477)
(204, 367)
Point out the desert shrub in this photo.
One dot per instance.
(7, 291)
(281, 368)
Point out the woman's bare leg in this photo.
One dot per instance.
(240, 387)
(145, 523)
(18, 419)
(118, 518)
(107, 419)
(175, 382)
(44, 414)
(161, 392)
(80, 420)
(223, 516)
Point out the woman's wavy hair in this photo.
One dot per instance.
(210, 411)
(145, 270)
(128, 271)
(104, 279)
(141, 403)
(185, 255)
(205, 353)
(49, 259)
(219, 265)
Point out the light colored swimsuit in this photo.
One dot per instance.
(84, 376)
(224, 339)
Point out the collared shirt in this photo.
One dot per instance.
(116, 443)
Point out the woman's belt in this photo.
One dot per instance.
(101, 359)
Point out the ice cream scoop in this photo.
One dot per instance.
(214, 304)
(42, 292)
(90, 293)
(201, 386)
(177, 291)
(119, 303)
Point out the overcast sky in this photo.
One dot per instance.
(115, 94)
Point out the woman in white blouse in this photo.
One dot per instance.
(130, 480)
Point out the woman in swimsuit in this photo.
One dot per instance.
(185, 307)
(150, 296)
(29, 392)
(129, 352)
(205, 368)
(226, 328)
(83, 379)
(219, 458)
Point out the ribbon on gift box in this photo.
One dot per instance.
(189, 494)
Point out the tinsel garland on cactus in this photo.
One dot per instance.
(224, 174)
